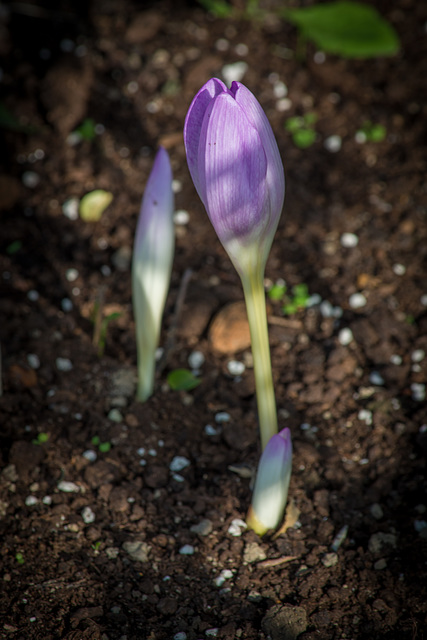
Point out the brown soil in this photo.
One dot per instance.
(105, 560)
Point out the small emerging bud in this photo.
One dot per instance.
(151, 267)
(272, 483)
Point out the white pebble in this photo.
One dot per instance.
(280, 90)
(71, 274)
(418, 355)
(345, 336)
(357, 301)
(30, 501)
(181, 217)
(222, 416)
(47, 500)
(141, 451)
(399, 269)
(70, 208)
(396, 359)
(237, 527)
(423, 300)
(196, 359)
(314, 299)
(178, 477)
(235, 368)
(326, 309)
(349, 240)
(333, 143)
(179, 463)
(242, 49)
(211, 431)
(181, 635)
(283, 105)
(30, 179)
(90, 455)
(33, 295)
(33, 360)
(152, 453)
(376, 511)
(222, 44)
(420, 525)
(319, 57)
(63, 364)
(115, 416)
(225, 574)
(176, 186)
(88, 515)
(66, 305)
(68, 487)
(365, 416)
(234, 72)
(418, 391)
(187, 550)
(376, 378)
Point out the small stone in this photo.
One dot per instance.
(222, 416)
(235, 368)
(357, 301)
(423, 300)
(203, 528)
(30, 501)
(280, 90)
(176, 186)
(376, 378)
(326, 309)
(187, 550)
(237, 527)
(90, 455)
(399, 269)
(33, 360)
(88, 515)
(396, 359)
(212, 633)
(330, 559)
(179, 463)
(70, 208)
(115, 416)
(196, 359)
(121, 258)
(33, 295)
(365, 416)
(137, 550)
(333, 143)
(345, 336)
(253, 553)
(349, 240)
(167, 606)
(380, 540)
(418, 391)
(212, 431)
(225, 574)
(181, 635)
(64, 364)
(181, 218)
(30, 179)
(380, 564)
(66, 305)
(68, 487)
(420, 525)
(418, 355)
(47, 500)
(234, 72)
(112, 552)
(376, 511)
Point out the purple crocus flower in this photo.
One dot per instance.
(271, 484)
(152, 266)
(236, 168)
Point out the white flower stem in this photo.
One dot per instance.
(253, 289)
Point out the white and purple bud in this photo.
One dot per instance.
(236, 168)
(271, 484)
(151, 267)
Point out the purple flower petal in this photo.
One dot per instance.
(193, 125)
(233, 163)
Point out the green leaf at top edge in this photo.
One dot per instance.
(182, 380)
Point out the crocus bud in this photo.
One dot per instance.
(236, 168)
(151, 267)
(271, 484)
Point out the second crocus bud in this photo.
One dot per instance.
(271, 484)
(151, 267)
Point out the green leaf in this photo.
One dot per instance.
(13, 247)
(304, 138)
(294, 123)
(182, 380)
(277, 291)
(218, 8)
(349, 29)
(96, 440)
(19, 558)
(104, 447)
(93, 205)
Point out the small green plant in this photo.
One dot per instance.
(104, 447)
(87, 130)
(302, 129)
(13, 247)
(371, 132)
(182, 380)
(218, 8)
(19, 558)
(41, 438)
(291, 303)
(97, 545)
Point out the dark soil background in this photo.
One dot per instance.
(132, 548)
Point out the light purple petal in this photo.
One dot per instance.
(232, 159)
(193, 127)
(258, 119)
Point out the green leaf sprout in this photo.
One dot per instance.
(182, 380)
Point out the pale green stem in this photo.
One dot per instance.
(253, 289)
